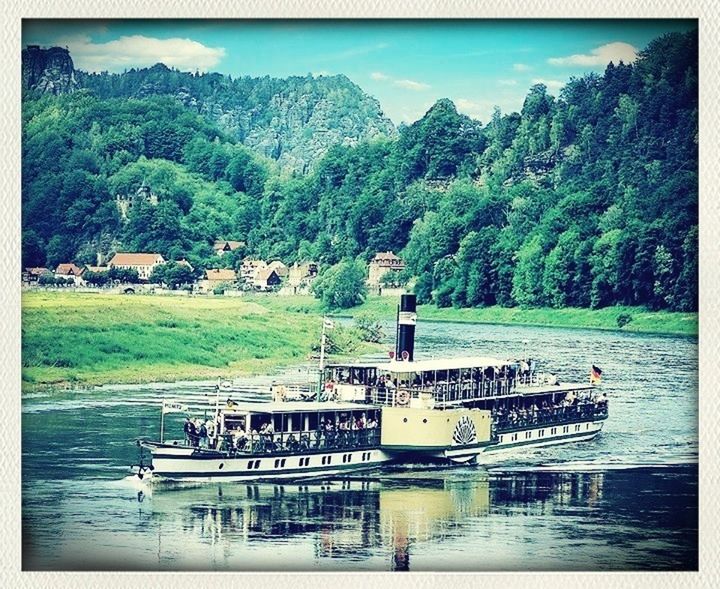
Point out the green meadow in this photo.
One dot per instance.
(86, 339)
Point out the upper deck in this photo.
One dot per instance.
(440, 383)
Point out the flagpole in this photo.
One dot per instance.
(322, 358)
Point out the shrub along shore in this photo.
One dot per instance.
(74, 339)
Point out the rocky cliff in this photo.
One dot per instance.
(48, 70)
(294, 120)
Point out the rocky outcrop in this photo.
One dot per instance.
(48, 70)
(293, 120)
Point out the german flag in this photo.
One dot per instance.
(595, 375)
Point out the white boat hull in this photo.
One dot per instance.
(181, 464)
(541, 436)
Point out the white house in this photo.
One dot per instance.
(142, 262)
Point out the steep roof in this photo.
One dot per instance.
(387, 259)
(279, 267)
(36, 271)
(220, 274)
(264, 274)
(231, 245)
(124, 259)
(70, 269)
(184, 262)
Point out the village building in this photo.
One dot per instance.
(215, 277)
(280, 268)
(96, 269)
(143, 263)
(184, 262)
(69, 271)
(32, 275)
(299, 278)
(266, 279)
(222, 246)
(250, 267)
(381, 264)
(299, 273)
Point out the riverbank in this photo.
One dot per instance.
(632, 319)
(76, 339)
(84, 339)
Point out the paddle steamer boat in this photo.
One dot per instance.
(364, 415)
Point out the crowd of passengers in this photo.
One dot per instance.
(571, 404)
(426, 380)
(340, 432)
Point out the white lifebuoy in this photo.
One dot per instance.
(403, 397)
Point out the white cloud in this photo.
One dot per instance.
(140, 51)
(379, 76)
(551, 84)
(470, 107)
(411, 85)
(601, 56)
(521, 67)
(507, 82)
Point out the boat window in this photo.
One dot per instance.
(312, 422)
(257, 420)
(295, 421)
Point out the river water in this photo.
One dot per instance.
(627, 500)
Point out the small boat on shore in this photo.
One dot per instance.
(366, 414)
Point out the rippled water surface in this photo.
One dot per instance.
(624, 501)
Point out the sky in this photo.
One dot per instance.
(406, 65)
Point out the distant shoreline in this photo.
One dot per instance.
(641, 320)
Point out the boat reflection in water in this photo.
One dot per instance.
(376, 523)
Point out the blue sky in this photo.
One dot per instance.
(406, 65)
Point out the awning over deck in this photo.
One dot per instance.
(296, 407)
(444, 364)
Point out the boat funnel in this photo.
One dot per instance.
(407, 318)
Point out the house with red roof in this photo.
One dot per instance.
(143, 263)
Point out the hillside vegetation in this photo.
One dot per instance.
(584, 200)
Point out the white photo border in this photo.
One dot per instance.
(11, 574)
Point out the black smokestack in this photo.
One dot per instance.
(407, 318)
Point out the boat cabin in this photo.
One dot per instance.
(290, 426)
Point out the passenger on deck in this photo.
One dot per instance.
(189, 430)
(202, 435)
(210, 429)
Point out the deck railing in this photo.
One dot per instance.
(294, 442)
(559, 415)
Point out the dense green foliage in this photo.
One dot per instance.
(342, 286)
(585, 200)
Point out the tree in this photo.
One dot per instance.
(342, 286)
(96, 278)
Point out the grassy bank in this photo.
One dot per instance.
(88, 339)
(641, 320)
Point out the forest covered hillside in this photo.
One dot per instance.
(293, 120)
(588, 199)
